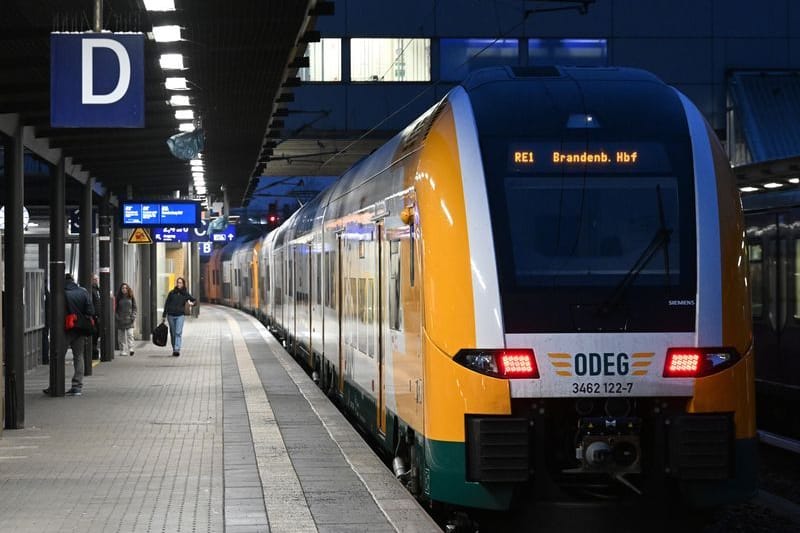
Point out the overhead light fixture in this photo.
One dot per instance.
(772, 185)
(200, 190)
(171, 61)
(167, 34)
(197, 168)
(178, 100)
(197, 161)
(159, 5)
(197, 174)
(186, 126)
(184, 114)
(748, 189)
(176, 84)
(794, 180)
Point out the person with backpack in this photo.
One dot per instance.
(78, 324)
(175, 311)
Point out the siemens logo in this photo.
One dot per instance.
(605, 364)
(681, 303)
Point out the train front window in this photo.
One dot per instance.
(576, 231)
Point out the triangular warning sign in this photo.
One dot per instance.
(140, 236)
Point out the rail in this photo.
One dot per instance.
(779, 441)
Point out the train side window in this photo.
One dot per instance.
(394, 285)
(755, 252)
(796, 279)
(318, 277)
(362, 316)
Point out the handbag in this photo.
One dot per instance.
(160, 335)
(79, 323)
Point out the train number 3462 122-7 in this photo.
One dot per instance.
(609, 387)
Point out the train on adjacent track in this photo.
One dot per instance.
(537, 291)
(773, 240)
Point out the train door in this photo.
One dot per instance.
(379, 319)
(768, 250)
(341, 297)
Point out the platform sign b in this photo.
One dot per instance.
(97, 80)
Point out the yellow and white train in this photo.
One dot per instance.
(536, 291)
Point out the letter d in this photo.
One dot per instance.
(87, 78)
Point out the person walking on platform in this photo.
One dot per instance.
(125, 316)
(174, 312)
(78, 315)
(96, 304)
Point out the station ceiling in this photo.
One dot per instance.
(238, 63)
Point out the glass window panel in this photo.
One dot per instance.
(325, 61)
(390, 59)
(459, 57)
(756, 280)
(580, 52)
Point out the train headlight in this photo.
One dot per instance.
(698, 362)
(512, 363)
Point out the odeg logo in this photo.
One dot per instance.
(605, 364)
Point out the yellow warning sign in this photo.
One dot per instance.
(140, 236)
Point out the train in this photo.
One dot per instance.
(536, 291)
(773, 226)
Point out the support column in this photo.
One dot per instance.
(14, 282)
(43, 259)
(85, 265)
(104, 229)
(194, 258)
(145, 307)
(57, 270)
(154, 316)
(119, 264)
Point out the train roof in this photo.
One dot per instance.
(771, 200)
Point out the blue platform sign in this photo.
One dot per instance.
(96, 80)
(160, 214)
(199, 234)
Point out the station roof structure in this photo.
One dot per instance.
(238, 58)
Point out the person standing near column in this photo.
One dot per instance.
(175, 311)
(125, 315)
(78, 315)
(96, 303)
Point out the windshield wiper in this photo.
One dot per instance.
(661, 238)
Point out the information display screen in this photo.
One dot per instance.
(160, 214)
(568, 157)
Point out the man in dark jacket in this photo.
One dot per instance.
(96, 304)
(76, 302)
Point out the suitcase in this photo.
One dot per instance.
(160, 335)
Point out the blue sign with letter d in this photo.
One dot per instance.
(96, 80)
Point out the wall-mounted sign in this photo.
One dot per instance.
(160, 214)
(96, 80)
(199, 234)
(140, 236)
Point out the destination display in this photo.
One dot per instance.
(618, 157)
(198, 234)
(175, 213)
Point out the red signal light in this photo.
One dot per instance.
(272, 218)
(517, 364)
(682, 364)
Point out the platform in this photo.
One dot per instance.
(231, 436)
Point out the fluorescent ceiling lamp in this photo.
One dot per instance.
(748, 189)
(167, 34)
(186, 126)
(200, 190)
(197, 161)
(178, 100)
(171, 61)
(184, 114)
(794, 180)
(176, 84)
(197, 168)
(772, 185)
(197, 174)
(159, 5)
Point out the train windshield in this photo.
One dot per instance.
(591, 198)
(575, 231)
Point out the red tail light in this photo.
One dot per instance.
(698, 362)
(516, 363)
